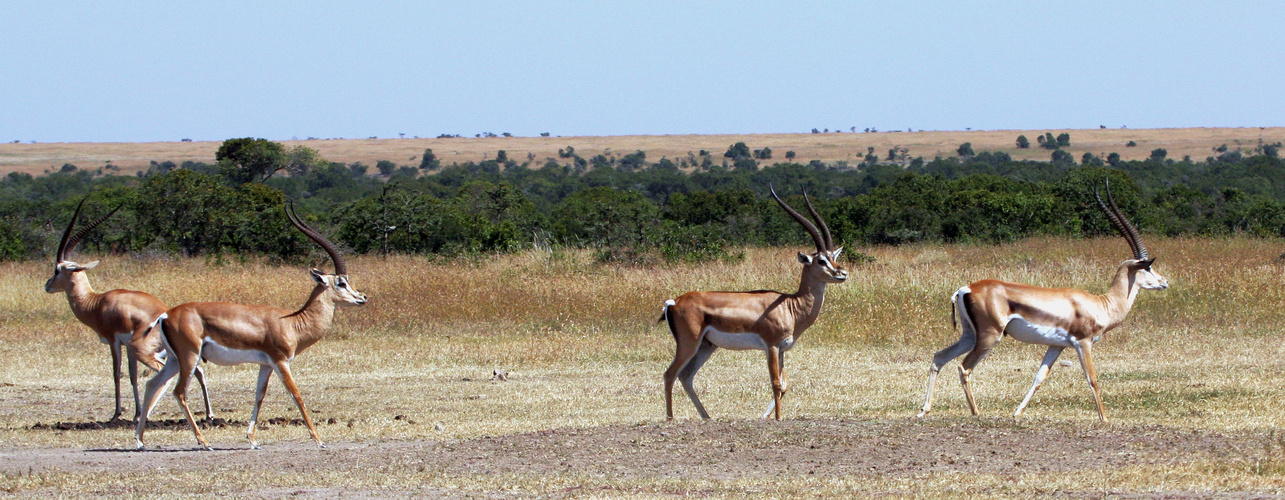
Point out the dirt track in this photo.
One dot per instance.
(690, 450)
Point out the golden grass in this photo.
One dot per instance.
(583, 349)
(132, 157)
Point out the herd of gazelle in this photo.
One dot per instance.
(173, 341)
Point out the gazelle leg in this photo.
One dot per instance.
(133, 382)
(153, 389)
(688, 374)
(683, 355)
(968, 390)
(1046, 366)
(283, 367)
(785, 386)
(187, 365)
(961, 346)
(774, 371)
(115, 346)
(932, 385)
(265, 372)
(205, 394)
(1085, 349)
(980, 350)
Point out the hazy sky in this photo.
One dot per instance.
(161, 71)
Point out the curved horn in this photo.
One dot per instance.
(825, 230)
(1121, 223)
(812, 230)
(62, 244)
(69, 244)
(312, 234)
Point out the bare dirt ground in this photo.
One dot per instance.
(607, 460)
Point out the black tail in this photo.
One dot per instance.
(664, 316)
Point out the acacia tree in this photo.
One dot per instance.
(248, 159)
(301, 159)
(737, 151)
(1048, 141)
(429, 161)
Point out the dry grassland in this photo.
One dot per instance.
(1194, 383)
(132, 157)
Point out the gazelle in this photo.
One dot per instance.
(764, 320)
(1055, 317)
(231, 334)
(117, 316)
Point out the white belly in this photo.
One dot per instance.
(1032, 333)
(219, 355)
(735, 341)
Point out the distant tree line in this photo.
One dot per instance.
(629, 207)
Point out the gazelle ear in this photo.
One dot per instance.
(90, 265)
(838, 252)
(805, 259)
(1146, 264)
(318, 276)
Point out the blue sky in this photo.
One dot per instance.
(161, 71)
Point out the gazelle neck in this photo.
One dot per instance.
(806, 303)
(80, 295)
(1124, 290)
(311, 321)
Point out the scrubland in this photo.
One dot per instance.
(1193, 382)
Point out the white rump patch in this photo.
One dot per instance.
(1031, 333)
(219, 355)
(735, 341)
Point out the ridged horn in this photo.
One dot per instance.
(807, 225)
(69, 241)
(825, 230)
(312, 234)
(66, 234)
(1121, 223)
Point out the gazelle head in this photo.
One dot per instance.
(1140, 266)
(63, 268)
(824, 263)
(336, 285)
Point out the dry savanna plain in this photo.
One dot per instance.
(1194, 382)
(1199, 143)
